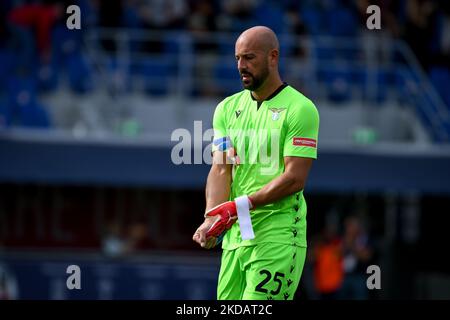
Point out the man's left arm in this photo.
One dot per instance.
(291, 181)
(300, 148)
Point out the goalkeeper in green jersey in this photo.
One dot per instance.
(265, 140)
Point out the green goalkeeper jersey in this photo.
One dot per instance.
(285, 124)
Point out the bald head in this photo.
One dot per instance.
(257, 52)
(259, 37)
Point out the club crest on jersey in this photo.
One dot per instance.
(276, 113)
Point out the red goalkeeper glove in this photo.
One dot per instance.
(226, 216)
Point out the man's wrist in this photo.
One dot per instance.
(250, 203)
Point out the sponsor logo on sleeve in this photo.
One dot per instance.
(304, 142)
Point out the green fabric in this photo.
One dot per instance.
(262, 137)
(265, 271)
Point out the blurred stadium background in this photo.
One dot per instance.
(86, 118)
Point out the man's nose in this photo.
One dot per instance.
(242, 65)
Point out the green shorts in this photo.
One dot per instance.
(262, 272)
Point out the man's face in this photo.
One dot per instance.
(253, 65)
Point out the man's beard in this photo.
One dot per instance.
(255, 82)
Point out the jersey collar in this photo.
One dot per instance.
(277, 91)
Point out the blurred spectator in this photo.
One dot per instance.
(117, 243)
(441, 47)
(440, 52)
(203, 19)
(138, 238)
(8, 285)
(162, 14)
(418, 29)
(297, 28)
(155, 15)
(110, 15)
(5, 115)
(296, 47)
(4, 32)
(237, 15)
(30, 26)
(114, 242)
(357, 254)
(328, 263)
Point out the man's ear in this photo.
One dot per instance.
(273, 56)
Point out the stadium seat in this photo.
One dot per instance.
(157, 74)
(323, 51)
(226, 77)
(172, 45)
(65, 42)
(23, 109)
(5, 113)
(362, 80)
(7, 66)
(339, 89)
(226, 49)
(271, 15)
(313, 20)
(34, 115)
(338, 83)
(130, 18)
(48, 77)
(341, 22)
(79, 73)
(131, 21)
(17, 85)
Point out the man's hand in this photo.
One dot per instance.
(200, 235)
(221, 218)
(218, 220)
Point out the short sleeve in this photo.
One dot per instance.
(221, 141)
(302, 132)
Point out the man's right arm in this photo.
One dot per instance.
(218, 187)
(218, 184)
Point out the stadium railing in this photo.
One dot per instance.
(366, 69)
